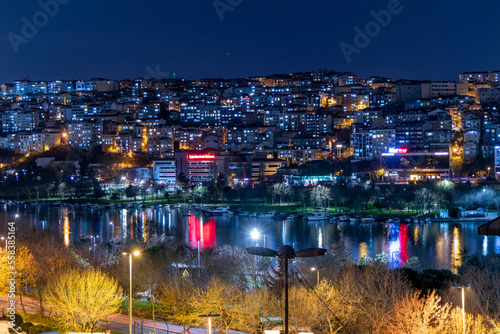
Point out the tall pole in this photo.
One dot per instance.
(286, 294)
(209, 325)
(463, 308)
(130, 298)
(317, 272)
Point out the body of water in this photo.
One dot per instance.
(437, 245)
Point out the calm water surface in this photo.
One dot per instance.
(437, 245)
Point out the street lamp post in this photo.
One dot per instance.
(4, 238)
(463, 287)
(130, 291)
(92, 237)
(209, 316)
(317, 272)
(112, 229)
(286, 253)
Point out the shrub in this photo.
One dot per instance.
(19, 320)
(40, 329)
(26, 327)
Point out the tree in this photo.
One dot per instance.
(424, 198)
(301, 307)
(151, 269)
(82, 299)
(417, 314)
(481, 272)
(218, 298)
(182, 179)
(25, 268)
(62, 189)
(332, 319)
(257, 303)
(97, 190)
(199, 192)
(281, 190)
(337, 195)
(51, 258)
(303, 197)
(320, 195)
(474, 324)
(371, 292)
(132, 191)
(175, 296)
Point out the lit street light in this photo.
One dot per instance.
(463, 287)
(317, 272)
(209, 316)
(130, 292)
(93, 241)
(255, 235)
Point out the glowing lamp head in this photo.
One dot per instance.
(255, 234)
(136, 253)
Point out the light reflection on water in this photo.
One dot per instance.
(437, 245)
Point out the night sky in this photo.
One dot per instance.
(122, 39)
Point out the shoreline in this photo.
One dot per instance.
(286, 209)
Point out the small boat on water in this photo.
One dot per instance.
(344, 218)
(397, 221)
(368, 219)
(389, 221)
(267, 215)
(217, 211)
(315, 216)
(355, 219)
(428, 220)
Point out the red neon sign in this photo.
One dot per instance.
(201, 157)
(402, 150)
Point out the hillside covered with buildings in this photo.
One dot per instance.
(301, 126)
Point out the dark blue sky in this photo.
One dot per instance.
(120, 39)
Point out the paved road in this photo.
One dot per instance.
(117, 322)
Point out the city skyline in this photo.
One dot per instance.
(236, 38)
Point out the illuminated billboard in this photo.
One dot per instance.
(398, 150)
(200, 157)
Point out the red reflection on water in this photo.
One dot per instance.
(204, 233)
(403, 242)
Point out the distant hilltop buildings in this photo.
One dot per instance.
(252, 129)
